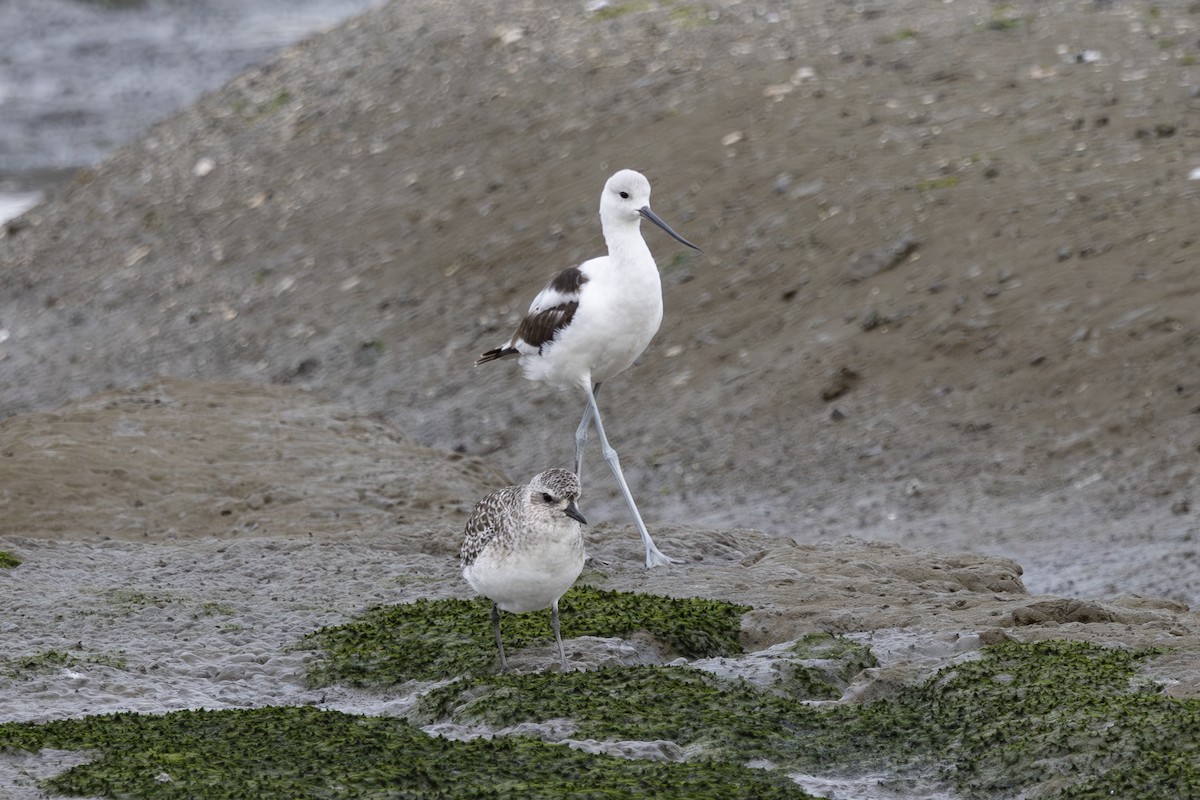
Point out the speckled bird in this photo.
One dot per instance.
(523, 548)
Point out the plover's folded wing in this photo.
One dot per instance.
(492, 516)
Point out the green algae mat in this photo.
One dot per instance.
(288, 753)
(1054, 714)
(438, 639)
(1059, 719)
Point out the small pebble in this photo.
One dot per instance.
(203, 167)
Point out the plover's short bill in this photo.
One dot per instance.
(592, 321)
(524, 548)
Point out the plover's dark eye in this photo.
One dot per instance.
(547, 498)
(624, 195)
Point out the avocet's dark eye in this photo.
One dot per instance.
(624, 195)
(547, 498)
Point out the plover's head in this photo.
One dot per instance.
(556, 491)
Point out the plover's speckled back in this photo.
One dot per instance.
(524, 548)
(592, 321)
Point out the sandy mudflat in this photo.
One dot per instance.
(947, 296)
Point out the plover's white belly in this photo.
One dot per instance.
(526, 579)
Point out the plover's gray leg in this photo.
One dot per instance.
(562, 653)
(496, 628)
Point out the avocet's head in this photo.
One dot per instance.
(626, 199)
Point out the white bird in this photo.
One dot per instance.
(523, 548)
(592, 321)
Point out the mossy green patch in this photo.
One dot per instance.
(827, 665)
(214, 609)
(614, 10)
(291, 752)
(1054, 711)
(129, 599)
(728, 721)
(902, 35)
(26, 666)
(277, 102)
(34, 662)
(1005, 18)
(8, 560)
(1046, 717)
(1003, 23)
(690, 16)
(933, 184)
(254, 112)
(1030, 718)
(437, 639)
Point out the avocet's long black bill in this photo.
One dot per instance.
(572, 511)
(657, 220)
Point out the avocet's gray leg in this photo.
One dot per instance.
(581, 437)
(654, 556)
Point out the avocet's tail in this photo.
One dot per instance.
(497, 354)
